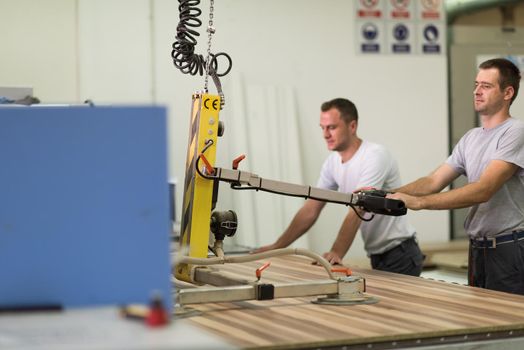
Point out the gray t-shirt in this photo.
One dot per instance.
(504, 212)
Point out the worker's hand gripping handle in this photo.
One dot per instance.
(375, 201)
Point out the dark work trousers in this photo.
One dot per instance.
(406, 258)
(500, 268)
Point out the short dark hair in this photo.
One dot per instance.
(509, 74)
(348, 110)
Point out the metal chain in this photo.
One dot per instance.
(210, 32)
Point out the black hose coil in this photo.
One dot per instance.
(183, 53)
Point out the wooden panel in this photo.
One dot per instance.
(409, 308)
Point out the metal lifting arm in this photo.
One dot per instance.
(374, 201)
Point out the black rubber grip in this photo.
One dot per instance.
(381, 205)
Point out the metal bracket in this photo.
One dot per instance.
(345, 290)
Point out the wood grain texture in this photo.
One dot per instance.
(409, 308)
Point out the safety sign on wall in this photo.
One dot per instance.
(400, 27)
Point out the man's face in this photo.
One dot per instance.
(488, 97)
(335, 131)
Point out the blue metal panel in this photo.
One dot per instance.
(84, 205)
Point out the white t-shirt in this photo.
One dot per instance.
(372, 165)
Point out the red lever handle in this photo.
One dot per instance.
(262, 268)
(345, 270)
(208, 166)
(238, 160)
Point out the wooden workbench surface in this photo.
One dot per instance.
(409, 308)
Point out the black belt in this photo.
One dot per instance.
(493, 242)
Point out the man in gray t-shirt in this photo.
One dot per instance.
(492, 159)
(503, 212)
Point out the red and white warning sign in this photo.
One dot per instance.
(370, 9)
(431, 9)
(400, 9)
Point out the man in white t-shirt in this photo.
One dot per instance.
(354, 163)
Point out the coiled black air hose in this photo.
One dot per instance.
(183, 53)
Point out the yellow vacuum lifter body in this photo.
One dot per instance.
(198, 192)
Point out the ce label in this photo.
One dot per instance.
(214, 104)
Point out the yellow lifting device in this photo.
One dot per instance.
(198, 192)
(201, 189)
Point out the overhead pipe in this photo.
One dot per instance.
(456, 8)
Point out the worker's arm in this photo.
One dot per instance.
(344, 239)
(433, 183)
(301, 223)
(494, 176)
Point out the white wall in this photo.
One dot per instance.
(39, 47)
(115, 51)
(305, 45)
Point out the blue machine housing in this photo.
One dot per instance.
(84, 206)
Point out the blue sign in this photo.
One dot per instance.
(401, 48)
(400, 32)
(431, 48)
(369, 31)
(370, 48)
(431, 33)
